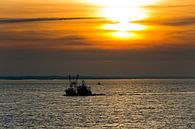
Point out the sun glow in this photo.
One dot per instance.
(123, 14)
(124, 35)
(124, 30)
(123, 3)
(122, 21)
(125, 27)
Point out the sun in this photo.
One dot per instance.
(123, 10)
(123, 14)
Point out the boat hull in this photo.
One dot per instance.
(80, 91)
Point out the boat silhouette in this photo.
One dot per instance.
(77, 90)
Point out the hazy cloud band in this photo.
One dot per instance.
(19, 20)
(171, 22)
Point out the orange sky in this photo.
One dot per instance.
(127, 24)
(119, 26)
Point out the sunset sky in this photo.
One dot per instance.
(97, 37)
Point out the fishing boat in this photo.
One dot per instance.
(75, 89)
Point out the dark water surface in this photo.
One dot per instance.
(143, 104)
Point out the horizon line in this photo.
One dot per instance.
(58, 77)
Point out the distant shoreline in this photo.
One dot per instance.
(82, 77)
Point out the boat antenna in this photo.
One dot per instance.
(77, 78)
(69, 78)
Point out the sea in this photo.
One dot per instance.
(124, 104)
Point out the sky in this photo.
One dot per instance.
(97, 37)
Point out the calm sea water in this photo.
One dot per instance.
(143, 104)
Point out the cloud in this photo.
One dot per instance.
(41, 40)
(184, 21)
(73, 40)
(19, 20)
(181, 21)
